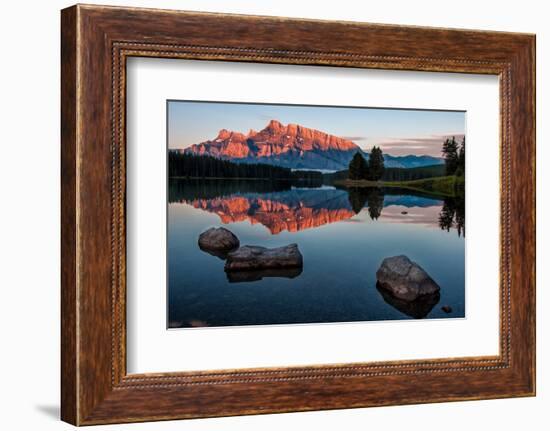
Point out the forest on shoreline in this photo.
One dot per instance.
(190, 166)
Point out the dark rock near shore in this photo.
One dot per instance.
(417, 309)
(405, 279)
(447, 309)
(249, 258)
(218, 240)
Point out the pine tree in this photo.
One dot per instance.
(358, 168)
(462, 158)
(450, 154)
(376, 164)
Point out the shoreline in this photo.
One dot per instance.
(415, 185)
(442, 184)
(303, 180)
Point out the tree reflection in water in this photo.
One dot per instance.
(373, 197)
(375, 201)
(452, 215)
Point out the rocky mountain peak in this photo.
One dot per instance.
(223, 134)
(275, 126)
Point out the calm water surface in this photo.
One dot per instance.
(343, 235)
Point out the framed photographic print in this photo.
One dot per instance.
(322, 222)
(292, 215)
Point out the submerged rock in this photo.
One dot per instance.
(218, 239)
(251, 257)
(405, 279)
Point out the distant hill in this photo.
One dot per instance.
(296, 147)
(411, 161)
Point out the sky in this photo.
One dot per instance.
(398, 132)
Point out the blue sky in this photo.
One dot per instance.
(396, 131)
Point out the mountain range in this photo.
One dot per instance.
(296, 147)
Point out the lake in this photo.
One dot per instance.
(343, 235)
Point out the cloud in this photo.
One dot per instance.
(428, 145)
(423, 140)
(355, 138)
(410, 147)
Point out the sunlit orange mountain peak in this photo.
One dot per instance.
(290, 145)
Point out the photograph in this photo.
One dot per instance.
(299, 214)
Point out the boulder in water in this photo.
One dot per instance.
(218, 239)
(249, 257)
(405, 279)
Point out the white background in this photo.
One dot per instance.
(151, 348)
(29, 220)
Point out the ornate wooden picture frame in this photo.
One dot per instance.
(96, 41)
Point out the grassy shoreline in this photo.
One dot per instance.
(440, 186)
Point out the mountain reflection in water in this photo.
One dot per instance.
(283, 207)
